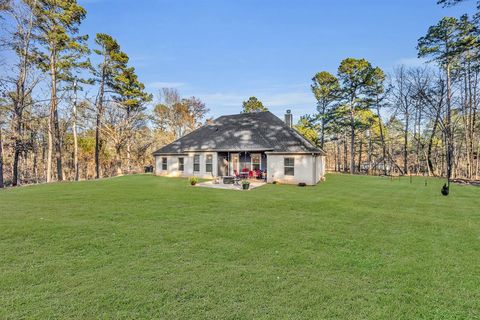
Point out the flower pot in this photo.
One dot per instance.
(245, 186)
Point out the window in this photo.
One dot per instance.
(208, 163)
(164, 163)
(289, 164)
(256, 160)
(196, 163)
(181, 166)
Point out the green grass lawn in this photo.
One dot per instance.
(150, 247)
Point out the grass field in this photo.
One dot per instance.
(145, 247)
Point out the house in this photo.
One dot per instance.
(247, 141)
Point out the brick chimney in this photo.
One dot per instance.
(289, 118)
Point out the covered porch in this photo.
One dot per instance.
(242, 164)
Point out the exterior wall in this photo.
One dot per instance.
(172, 165)
(320, 168)
(308, 169)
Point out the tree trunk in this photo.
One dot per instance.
(419, 145)
(405, 143)
(477, 165)
(35, 166)
(97, 146)
(359, 166)
(448, 128)
(58, 146)
(16, 152)
(352, 143)
(369, 154)
(430, 141)
(44, 162)
(74, 130)
(54, 123)
(345, 154)
(322, 128)
(474, 123)
(382, 138)
(466, 104)
(98, 125)
(1, 160)
(49, 148)
(338, 163)
(19, 104)
(118, 160)
(129, 168)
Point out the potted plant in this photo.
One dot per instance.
(193, 180)
(245, 185)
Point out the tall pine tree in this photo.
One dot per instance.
(131, 97)
(326, 88)
(63, 51)
(113, 62)
(355, 76)
(443, 44)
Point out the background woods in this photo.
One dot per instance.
(70, 112)
(421, 120)
(73, 107)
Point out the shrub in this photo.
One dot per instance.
(193, 180)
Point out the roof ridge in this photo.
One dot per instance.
(242, 114)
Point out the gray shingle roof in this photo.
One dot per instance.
(242, 132)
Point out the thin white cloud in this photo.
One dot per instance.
(411, 62)
(289, 99)
(223, 99)
(300, 102)
(161, 84)
(268, 99)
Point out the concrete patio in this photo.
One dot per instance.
(211, 184)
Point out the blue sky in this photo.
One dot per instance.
(225, 51)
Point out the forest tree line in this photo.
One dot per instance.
(69, 111)
(417, 120)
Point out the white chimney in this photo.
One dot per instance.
(289, 118)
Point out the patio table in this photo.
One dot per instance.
(228, 180)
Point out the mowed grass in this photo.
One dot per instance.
(142, 247)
